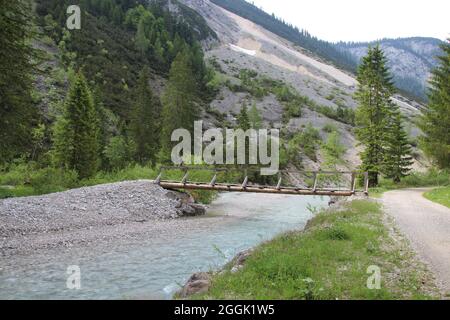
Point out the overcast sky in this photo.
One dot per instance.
(364, 20)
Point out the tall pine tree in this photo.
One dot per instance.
(373, 95)
(76, 133)
(243, 118)
(16, 67)
(180, 106)
(145, 121)
(435, 122)
(398, 159)
(255, 117)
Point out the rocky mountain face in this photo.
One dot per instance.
(410, 59)
(244, 45)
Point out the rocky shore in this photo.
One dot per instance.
(88, 214)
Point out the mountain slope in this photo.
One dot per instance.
(301, 38)
(252, 63)
(106, 46)
(410, 59)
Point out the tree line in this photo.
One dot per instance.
(77, 143)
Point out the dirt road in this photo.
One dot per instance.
(427, 225)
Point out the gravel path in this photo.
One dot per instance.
(427, 225)
(85, 215)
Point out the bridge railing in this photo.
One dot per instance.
(248, 180)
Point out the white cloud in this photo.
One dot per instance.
(364, 20)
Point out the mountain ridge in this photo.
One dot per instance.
(410, 59)
(409, 81)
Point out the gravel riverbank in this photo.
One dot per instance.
(88, 214)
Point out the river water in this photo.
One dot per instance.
(154, 266)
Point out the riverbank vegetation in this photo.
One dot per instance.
(439, 195)
(333, 258)
(28, 179)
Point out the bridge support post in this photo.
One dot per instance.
(366, 183)
(186, 174)
(213, 181)
(353, 183)
(245, 183)
(158, 179)
(315, 182)
(280, 178)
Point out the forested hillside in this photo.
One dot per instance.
(81, 101)
(118, 38)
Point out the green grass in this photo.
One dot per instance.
(19, 191)
(378, 192)
(431, 178)
(439, 195)
(327, 261)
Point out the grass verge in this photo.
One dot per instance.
(330, 260)
(439, 195)
(430, 178)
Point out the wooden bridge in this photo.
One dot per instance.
(315, 189)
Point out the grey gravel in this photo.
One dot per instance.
(427, 225)
(89, 213)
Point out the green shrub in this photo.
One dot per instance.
(336, 233)
(49, 180)
(15, 174)
(330, 97)
(118, 152)
(305, 142)
(292, 109)
(329, 128)
(431, 178)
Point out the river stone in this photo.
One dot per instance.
(186, 204)
(242, 257)
(198, 283)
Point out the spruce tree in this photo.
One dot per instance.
(255, 117)
(435, 122)
(373, 95)
(145, 121)
(243, 118)
(17, 64)
(180, 107)
(243, 122)
(398, 159)
(76, 132)
(142, 43)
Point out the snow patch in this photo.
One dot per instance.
(239, 49)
